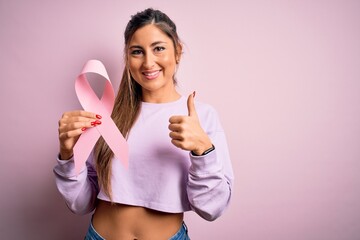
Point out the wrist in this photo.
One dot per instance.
(65, 154)
(203, 151)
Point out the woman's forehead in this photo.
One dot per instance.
(147, 35)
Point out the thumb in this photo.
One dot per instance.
(191, 105)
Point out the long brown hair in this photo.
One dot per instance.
(128, 100)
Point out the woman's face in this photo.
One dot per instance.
(152, 60)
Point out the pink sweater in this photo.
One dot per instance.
(160, 176)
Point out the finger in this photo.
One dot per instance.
(177, 143)
(75, 126)
(68, 120)
(176, 127)
(176, 119)
(70, 134)
(191, 106)
(176, 136)
(180, 144)
(81, 113)
(77, 116)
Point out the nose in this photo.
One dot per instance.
(149, 61)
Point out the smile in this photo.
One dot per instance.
(151, 75)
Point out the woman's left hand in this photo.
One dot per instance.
(186, 131)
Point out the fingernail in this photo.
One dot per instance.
(93, 123)
(83, 129)
(98, 122)
(194, 94)
(98, 116)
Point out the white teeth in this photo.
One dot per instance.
(151, 74)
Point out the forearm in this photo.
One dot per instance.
(209, 188)
(79, 191)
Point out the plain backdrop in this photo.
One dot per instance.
(283, 75)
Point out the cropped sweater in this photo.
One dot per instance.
(160, 176)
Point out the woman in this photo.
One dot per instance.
(178, 156)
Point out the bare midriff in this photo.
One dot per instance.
(125, 222)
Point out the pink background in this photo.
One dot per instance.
(284, 76)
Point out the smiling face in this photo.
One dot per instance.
(152, 63)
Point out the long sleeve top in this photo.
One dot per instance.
(160, 176)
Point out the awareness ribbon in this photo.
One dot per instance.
(107, 129)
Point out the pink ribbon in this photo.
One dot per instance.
(107, 129)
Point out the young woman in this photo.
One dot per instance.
(178, 155)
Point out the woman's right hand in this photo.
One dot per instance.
(71, 125)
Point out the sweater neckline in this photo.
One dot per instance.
(147, 104)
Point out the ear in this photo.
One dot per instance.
(178, 53)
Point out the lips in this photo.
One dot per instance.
(151, 74)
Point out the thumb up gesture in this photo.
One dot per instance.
(186, 132)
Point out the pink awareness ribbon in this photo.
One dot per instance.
(107, 129)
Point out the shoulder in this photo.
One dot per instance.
(205, 109)
(208, 116)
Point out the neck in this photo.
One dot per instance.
(160, 96)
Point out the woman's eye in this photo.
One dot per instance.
(136, 52)
(159, 49)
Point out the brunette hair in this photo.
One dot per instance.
(128, 99)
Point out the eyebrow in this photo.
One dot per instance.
(152, 45)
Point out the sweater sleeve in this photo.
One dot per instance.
(211, 176)
(79, 191)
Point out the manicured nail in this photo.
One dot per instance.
(98, 116)
(83, 129)
(194, 94)
(97, 122)
(93, 123)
